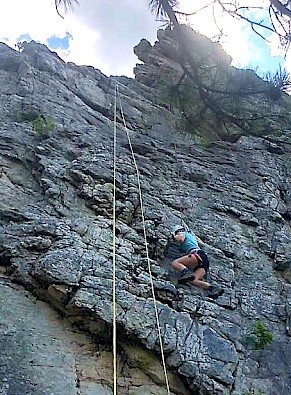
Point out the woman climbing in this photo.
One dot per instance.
(190, 260)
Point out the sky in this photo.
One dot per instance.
(102, 33)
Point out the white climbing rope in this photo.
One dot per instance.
(114, 256)
(117, 94)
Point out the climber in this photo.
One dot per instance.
(189, 259)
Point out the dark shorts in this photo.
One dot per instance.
(205, 261)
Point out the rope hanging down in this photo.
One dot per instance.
(145, 240)
(114, 256)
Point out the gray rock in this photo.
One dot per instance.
(56, 226)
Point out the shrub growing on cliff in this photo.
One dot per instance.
(42, 126)
(260, 337)
(280, 79)
(189, 115)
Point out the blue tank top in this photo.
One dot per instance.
(189, 243)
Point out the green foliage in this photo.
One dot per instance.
(189, 115)
(242, 81)
(158, 9)
(42, 126)
(260, 337)
(280, 79)
(169, 90)
(204, 141)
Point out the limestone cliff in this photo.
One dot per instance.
(214, 100)
(56, 201)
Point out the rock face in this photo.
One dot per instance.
(56, 239)
(42, 354)
(218, 101)
(161, 58)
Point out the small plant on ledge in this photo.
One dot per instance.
(42, 126)
(259, 337)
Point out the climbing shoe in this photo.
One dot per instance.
(186, 275)
(214, 291)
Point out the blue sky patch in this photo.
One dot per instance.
(260, 59)
(55, 42)
(261, 56)
(24, 37)
(260, 51)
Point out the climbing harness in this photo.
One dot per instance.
(117, 94)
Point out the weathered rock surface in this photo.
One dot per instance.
(241, 103)
(41, 353)
(56, 212)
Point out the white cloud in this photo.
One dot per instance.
(276, 50)
(37, 18)
(119, 28)
(236, 35)
(102, 35)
